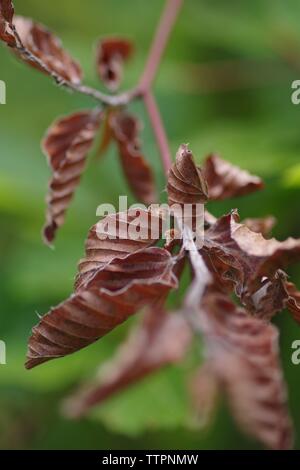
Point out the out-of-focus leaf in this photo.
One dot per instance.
(159, 402)
(138, 172)
(6, 18)
(7, 10)
(243, 352)
(160, 339)
(111, 55)
(204, 388)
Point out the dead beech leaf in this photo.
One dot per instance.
(107, 134)
(5, 33)
(293, 303)
(66, 145)
(244, 353)
(242, 259)
(271, 254)
(227, 181)
(263, 225)
(111, 55)
(7, 10)
(160, 339)
(204, 389)
(271, 298)
(110, 239)
(138, 172)
(116, 292)
(6, 18)
(186, 182)
(44, 45)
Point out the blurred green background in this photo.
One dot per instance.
(224, 86)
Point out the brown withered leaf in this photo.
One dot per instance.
(107, 134)
(110, 239)
(227, 181)
(7, 10)
(111, 55)
(270, 254)
(293, 303)
(240, 258)
(6, 18)
(66, 145)
(263, 225)
(186, 182)
(271, 298)
(243, 355)
(160, 339)
(5, 33)
(116, 291)
(243, 352)
(138, 172)
(204, 388)
(47, 47)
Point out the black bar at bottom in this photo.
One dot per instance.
(138, 458)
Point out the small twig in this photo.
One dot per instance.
(106, 100)
(159, 44)
(158, 47)
(159, 130)
(142, 90)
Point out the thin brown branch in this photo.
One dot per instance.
(158, 47)
(142, 90)
(107, 100)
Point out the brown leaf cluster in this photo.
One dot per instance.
(70, 139)
(118, 276)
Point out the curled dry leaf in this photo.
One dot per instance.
(160, 339)
(7, 10)
(186, 182)
(44, 45)
(271, 298)
(242, 259)
(243, 355)
(271, 255)
(111, 55)
(227, 181)
(6, 18)
(66, 145)
(114, 293)
(263, 226)
(243, 352)
(109, 239)
(204, 387)
(139, 175)
(293, 303)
